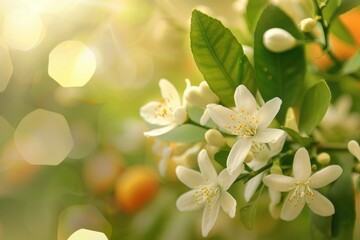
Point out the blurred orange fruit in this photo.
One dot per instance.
(102, 170)
(341, 49)
(135, 187)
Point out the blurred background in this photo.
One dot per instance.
(73, 75)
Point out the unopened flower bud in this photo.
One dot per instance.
(314, 167)
(307, 24)
(354, 149)
(207, 93)
(214, 138)
(323, 158)
(249, 157)
(357, 167)
(290, 120)
(278, 40)
(180, 115)
(276, 169)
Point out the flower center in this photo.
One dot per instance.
(163, 109)
(207, 194)
(243, 124)
(301, 192)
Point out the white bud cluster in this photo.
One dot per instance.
(200, 96)
(214, 138)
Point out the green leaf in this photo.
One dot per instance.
(221, 156)
(342, 196)
(253, 11)
(219, 57)
(315, 105)
(334, 8)
(340, 31)
(345, 5)
(186, 133)
(278, 74)
(352, 65)
(247, 212)
(303, 141)
(320, 227)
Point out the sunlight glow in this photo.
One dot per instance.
(44, 138)
(71, 64)
(22, 29)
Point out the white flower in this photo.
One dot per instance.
(278, 40)
(248, 122)
(168, 112)
(302, 187)
(180, 154)
(209, 191)
(354, 149)
(340, 116)
(261, 154)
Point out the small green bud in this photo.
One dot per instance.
(323, 158)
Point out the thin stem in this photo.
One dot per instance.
(325, 28)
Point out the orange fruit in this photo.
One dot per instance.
(341, 49)
(102, 170)
(135, 187)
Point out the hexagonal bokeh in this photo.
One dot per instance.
(71, 64)
(22, 29)
(6, 67)
(83, 233)
(82, 216)
(44, 138)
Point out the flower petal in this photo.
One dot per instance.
(221, 115)
(225, 180)
(186, 202)
(159, 131)
(251, 186)
(291, 208)
(277, 146)
(228, 203)
(268, 112)
(206, 167)
(238, 154)
(325, 176)
(279, 182)
(150, 112)
(244, 100)
(189, 177)
(268, 135)
(205, 117)
(169, 93)
(209, 217)
(301, 165)
(320, 204)
(354, 149)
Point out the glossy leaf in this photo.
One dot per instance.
(253, 11)
(247, 212)
(341, 32)
(278, 74)
(352, 65)
(219, 57)
(303, 141)
(342, 196)
(186, 133)
(315, 105)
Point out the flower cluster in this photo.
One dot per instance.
(249, 121)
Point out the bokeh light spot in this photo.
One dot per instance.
(44, 138)
(82, 216)
(72, 64)
(6, 67)
(22, 29)
(83, 234)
